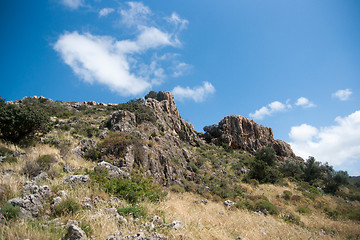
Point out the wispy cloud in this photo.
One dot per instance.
(304, 102)
(73, 4)
(343, 94)
(137, 14)
(115, 63)
(337, 144)
(198, 94)
(105, 11)
(270, 109)
(180, 68)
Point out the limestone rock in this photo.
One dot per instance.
(123, 121)
(32, 201)
(112, 170)
(74, 232)
(243, 133)
(76, 179)
(228, 203)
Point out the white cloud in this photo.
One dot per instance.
(73, 4)
(304, 102)
(198, 94)
(338, 144)
(118, 64)
(268, 110)
(180, 69)
(343, 95)
(105, 11)
(137, 14)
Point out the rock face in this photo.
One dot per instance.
(243, 133)
(168, 117)
(160, 146)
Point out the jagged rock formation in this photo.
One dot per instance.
(160, 153)
(243, 133)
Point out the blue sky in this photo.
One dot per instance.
(293, 66)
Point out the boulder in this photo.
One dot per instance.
(228, 203)
(76, 179)
(74, 232)
(32, 199)
(112, 170)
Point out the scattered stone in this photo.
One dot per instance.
(56, 201)
(228, 203)
(41, 177)
(74, 232)
(157, 220)
(76, 179)
(68, 169)
(62, 194)
(203, 201)
(112, 170)
(177, 225)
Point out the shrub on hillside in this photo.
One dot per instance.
(266, 205)
(19, 122)
(65, 207)
(263, 168)
(137, 106)
(134, 211)
(10, 211)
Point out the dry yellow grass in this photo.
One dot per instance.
(214, 221)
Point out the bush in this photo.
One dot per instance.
(5, 151)
(177, 189)
(135, 211)
(263, 167)
(332, 213)
(68, 206)
(291, 218)
(115, 144)
(287, 195)
(10, 159)
(137, 106)
(31, 168)
(304, 210)
(86, 228)
(19, 122)
(45, 162)
(266, 205)
(9, 211)
(134, 190)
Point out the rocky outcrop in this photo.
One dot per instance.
(243, 133)
(168, 117)
(32, 199)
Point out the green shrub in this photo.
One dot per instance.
(5, 193)
(45, 162)
(266, 205)
(304, 210)
(68, 206)
(114, 145)
(192, 167)
(332, 213)
(291, 218)
(134, 190)
(355, 216)
(287, 195)
(31, 169)
(86, 228)
(19, 122)
(10, 159)
(10, 211)
(177, 188)
(135, 211)
(5, 151)
(137, 106)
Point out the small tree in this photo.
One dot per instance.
(18, 122)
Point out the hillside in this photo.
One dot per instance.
(137, 170)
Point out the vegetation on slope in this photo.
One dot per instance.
(289, 199)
